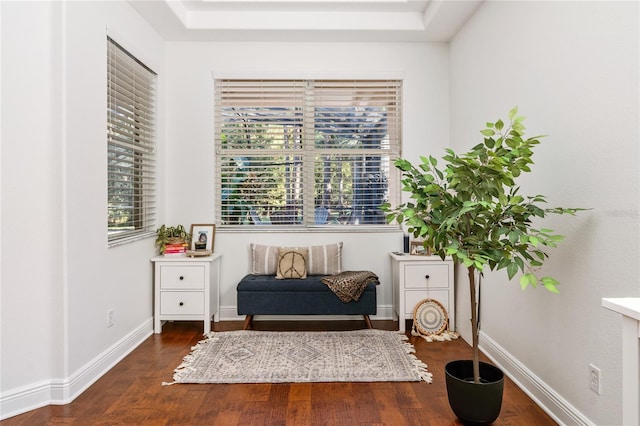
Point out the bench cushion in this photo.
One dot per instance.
(266, 295)
(267, 283)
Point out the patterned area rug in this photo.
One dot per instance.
(292, 357)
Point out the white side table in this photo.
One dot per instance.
(186, 289)
(421, 277)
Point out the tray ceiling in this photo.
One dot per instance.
(306, 20)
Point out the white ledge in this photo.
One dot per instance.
(627, 306)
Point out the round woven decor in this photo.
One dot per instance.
(430, 317)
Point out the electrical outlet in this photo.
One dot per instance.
(109, 318)
(594, 379)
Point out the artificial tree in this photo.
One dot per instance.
(472, 211)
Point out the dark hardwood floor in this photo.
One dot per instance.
(132, 392)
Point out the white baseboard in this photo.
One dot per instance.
(230, 313)
(550, 401)
(25, 398)
(63, 391)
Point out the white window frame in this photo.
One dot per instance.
(391, 150)
(131, 146)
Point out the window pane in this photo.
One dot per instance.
(351, 188)
(261, 190)
(262, 128)
(351, 127)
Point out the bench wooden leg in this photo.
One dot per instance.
(247, 322)
(368, 321)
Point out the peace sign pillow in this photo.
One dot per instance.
(292, 263)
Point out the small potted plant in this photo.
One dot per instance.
(471, 210)
(171, 235)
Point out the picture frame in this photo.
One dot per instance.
(417, 249)
(203, 237)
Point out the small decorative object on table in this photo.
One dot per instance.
(418, 248)
(203, 237)
(172, 239)
(198, 253)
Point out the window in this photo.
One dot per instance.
(305, 153)
(130, 145)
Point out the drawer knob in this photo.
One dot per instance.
(181, 303)
(181, 278)
(426, 276)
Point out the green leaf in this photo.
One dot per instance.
(513, 113)
(488, 132)
(512, 269)
(527, 279)
(499, 124)
(541, 255)
(513, 237)
(519, 262)
(403, 164)
(550, 284)
(503, 262)
(523, 282)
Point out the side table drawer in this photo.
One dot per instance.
(415, 276)
(412, 298)
(182, 277)
(181, 303)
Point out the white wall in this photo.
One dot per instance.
(572, 68)
(190, 173)
(58, 276)
(31, 262)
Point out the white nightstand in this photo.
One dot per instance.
(186, 289)
(421, 277)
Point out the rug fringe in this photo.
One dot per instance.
(421, 368)
(187, 362)
(446, 335)
(419, 365)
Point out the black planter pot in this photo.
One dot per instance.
(474, 404)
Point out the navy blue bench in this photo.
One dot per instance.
(266, 295)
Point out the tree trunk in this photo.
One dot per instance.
(474, 324)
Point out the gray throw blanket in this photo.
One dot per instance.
(349, 285)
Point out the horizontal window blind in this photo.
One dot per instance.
(305, 152)
(131, 168)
